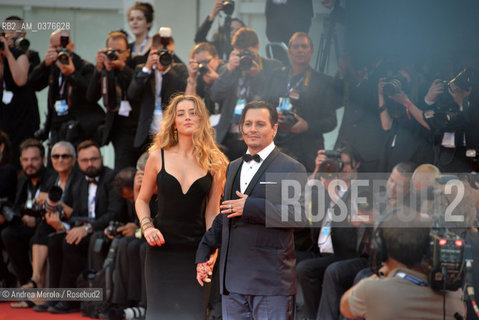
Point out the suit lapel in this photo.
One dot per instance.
(234, 167)
(261, 170)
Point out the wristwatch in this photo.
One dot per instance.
(88, 228)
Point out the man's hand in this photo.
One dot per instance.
(117, 64)
(75, 235)
(29, 221)
(41, 198)
(193, 69)
(233, 61)
(435, 90)
(152, 59)
(128, 230)
(216, 8)
(100, 60)
(53, 219)
(66, 69)
(234, 208)
(300, 126)
(320, 157)
(204, 270)
(50, 56)
(458, 94)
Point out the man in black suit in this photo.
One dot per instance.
(110, 81)
(16, 236)
(95, 204)
(241, 80)
(257, 264)
(70, 116)
(335, 240)
(152, 87)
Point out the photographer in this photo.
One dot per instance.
(16, 236)
(19, 116)
(202, 69)
(152, 87)
(94, 205)
(405, 140)
(333, 240)
(110, 81)
(451, 119)
(70, 116)
(222, 38)
(306, 103)
(242, 79)
(402, 292)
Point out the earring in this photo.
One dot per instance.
(175, 135)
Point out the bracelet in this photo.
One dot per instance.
(382, 108)
(409, 105)
(148, 218)
(143, 229)
(146, 225)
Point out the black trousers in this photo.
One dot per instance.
(310, 273)
(125, 154)
(67, 261)
(16, 239)
(128, 278)
(338, 278)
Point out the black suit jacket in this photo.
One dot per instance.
(142, 92)
(255, 259)
(89, 114)
(109, 205)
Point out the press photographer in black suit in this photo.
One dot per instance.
(152, 87)
(305, 100)
(70, 116)
(110, 81)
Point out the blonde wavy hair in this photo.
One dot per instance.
(205, 151)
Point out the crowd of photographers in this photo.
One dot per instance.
(67, 208)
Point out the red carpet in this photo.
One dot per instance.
(7, 313)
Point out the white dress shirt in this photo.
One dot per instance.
(92, 188)
(249, 169)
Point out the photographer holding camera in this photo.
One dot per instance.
(242, 79)
(403, 291)
(110, 81)
(305, 103)
(451, 118)
(21, 227)
(406, 140)
(202, 69)
(151, 88)
(70, 116)
(222, 38)
(19, 116)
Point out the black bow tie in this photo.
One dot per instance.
(248, 157)
(92, 180)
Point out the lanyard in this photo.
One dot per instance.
(304, 80)
(143, 44)
(411, 279)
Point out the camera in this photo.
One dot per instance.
(203, 68)
(393, 85)
(6, 210)
(51, 204)
(111, 54)
(332, 165)
(228, 7)
(112, 229)
(165, 57)
(445, 114)
(22, 43)
(63, 56)
(127, 314)
(246, 60)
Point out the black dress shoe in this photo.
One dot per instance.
(63, 307)
(44, 307)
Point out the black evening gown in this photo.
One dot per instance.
(172, 289)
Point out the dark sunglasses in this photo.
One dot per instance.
(63, 156)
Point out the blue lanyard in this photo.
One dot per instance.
(411, 279)
(142, 45)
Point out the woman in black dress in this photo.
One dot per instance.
(188, 171)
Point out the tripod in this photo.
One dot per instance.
(328, 38)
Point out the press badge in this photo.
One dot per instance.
(449, 140)
(61, 107)
(7, 97)
(240, 104)
(285, 104)
(125, 109)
